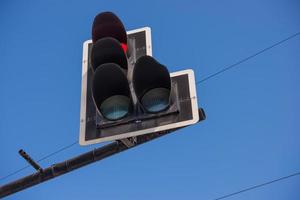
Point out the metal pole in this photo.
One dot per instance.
(71, 164)
(78, 161)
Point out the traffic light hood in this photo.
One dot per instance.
(108, 50)
(152, 84)
(111, 91)
(107, 24)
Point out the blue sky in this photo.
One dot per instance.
(251, 134)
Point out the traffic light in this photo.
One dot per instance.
(125, 91)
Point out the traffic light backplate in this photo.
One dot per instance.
(183, 112)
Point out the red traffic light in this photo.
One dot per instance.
(107, 24)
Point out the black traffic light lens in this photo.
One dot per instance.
(115, 107)
(152, 84)
(156, 100)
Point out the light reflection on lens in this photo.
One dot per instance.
(115, 107)
(156, 100)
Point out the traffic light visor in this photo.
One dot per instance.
(152, 84)
(111, 92)
(108, 50)
(107, 24)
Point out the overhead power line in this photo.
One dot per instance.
(202, 80)
(247, 58)
(257, 186)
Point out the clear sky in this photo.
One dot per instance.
(251, 134)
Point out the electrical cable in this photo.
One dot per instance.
(257, 186)
(247, 58)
